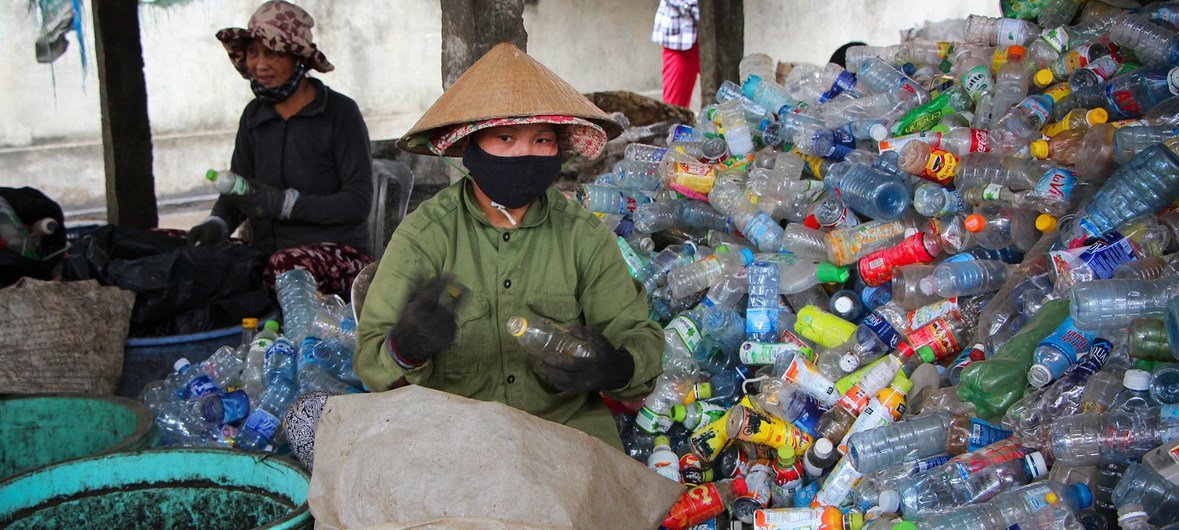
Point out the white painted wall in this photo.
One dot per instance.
(387, 57)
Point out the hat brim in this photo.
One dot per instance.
(235, 41)
(577, 135)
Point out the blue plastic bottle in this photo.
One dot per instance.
(191, 381)
(264, 421)
(279, 361)
(1146, 184)
(1059, 351)
(869, 191)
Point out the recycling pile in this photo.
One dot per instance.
(935, 290)
(238, 396)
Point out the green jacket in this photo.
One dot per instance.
(559, 263)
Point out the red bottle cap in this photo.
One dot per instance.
(811, 222)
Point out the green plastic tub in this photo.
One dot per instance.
(160, 489)
(42, 429)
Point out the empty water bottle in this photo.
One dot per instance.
(197, 422)
(1146, 184)
(969, 481)
(991, 31)
(1058, 352)
(227, 182)
(298, 298)
(279, 361)
(264, 421)
(967, 277)
(1114, 304)
(869, 190)
(1111, 437)
(1021, 505)
(1144, 486)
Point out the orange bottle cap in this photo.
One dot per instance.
(975, 222)
(1016, 52)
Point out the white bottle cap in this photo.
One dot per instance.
(1136, 380)
(823, 448)
(889, 501)
(843, 304)
(180, 364)
(928, 286)
(878, 132)
(848, 362)
(1039, 375)
(1036, 465)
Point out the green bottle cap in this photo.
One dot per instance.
(855, 520)
(828, 273)
(211, 175)
(926, 354)
(271, 325)
(905, 525)
(662, 440)
(786, 455)
(703, 390)
(679, 412)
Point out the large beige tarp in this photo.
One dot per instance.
(420, 458)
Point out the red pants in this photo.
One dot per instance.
(680, 69)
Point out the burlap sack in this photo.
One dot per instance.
(420, 458)
(62, 336)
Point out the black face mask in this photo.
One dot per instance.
(279, 93)
(511, 181)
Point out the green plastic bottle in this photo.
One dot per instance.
(997, 383)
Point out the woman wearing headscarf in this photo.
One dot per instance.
(503, 242)
(304, 150)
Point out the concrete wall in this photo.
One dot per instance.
(387, 58)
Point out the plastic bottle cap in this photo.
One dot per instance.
(250, 323)
(1016, 52)
(878, 132)
(905, 525)
(679, 412)
(270, 325)
(517, 326)
(823, 448)
(1043, 77)
(662, 440)
(1136, 380)
(1039, 375)
(940, 128)
(1051, 497)
(1084, 496)
(1036, 464)
(848, 362)
(786, 455)
(739, 487)
(1096, 116)
(211, 175)
(927, 354)
(1039, 149)
(703, 390)
(855, 520)
(811, 222)
(829, 273)
(889, 502)
(975, 222)
(901, 383)
(927, 285)
(843, 304)
(180, 364)
(1046, 222)
(747, 255)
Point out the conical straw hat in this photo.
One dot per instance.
(504, 83)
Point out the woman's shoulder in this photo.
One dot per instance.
(434, 211)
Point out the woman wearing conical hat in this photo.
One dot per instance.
(502, 243)
(303, 148)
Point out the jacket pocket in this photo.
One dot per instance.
(558, 307)
(472, 337)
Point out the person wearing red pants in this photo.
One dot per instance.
(675, 30)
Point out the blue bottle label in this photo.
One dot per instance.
(213, 411)
(845, 81)
(1056, 184)
(281, 346)
(681, 133)
(808, 419)
(761, 323)
(235, 406)
(1098, 353)
(1069, 340)
(983, 434)
(1036, 106)
(888, 335)
(1111, 250)
(202, 386)
(927, 464)
(844, 144)
(264, 423)
(876, 296)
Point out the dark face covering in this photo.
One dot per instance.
(511, 181)
(279, 93)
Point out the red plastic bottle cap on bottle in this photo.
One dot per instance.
(1016, 52)
(811, 222)
(975, 222)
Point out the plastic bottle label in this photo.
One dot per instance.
(844, 81)
(1098, 354)
(810, 381)
(880, 326)
(983, 434)
(941, 166)
(927, 464)
(979, 141)
(1056, 184)
(1057, 38)
(1036, 497)
(1105, 67)
(838, 485)
(681, 133)
(788, 519)
(202, 386)
(765, 353)
(652, 422)
(264, 423)
(1169, 417)
(808, 417)
(1111, 250)
(1035, 106)
(709, 441)
(1067, 339)
(928, 313)
(938, 335)
(873, 416)
(1010, 32)
(687, 331)
(895, 144)
(977, 81)
(993, 192)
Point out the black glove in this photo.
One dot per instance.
(262, 202)
(427, 323)
(207, 234)
(607, 367)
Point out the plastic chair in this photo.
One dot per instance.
(385, 171)
(360, 285)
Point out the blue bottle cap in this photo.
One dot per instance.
(1083, 496)
(748, 255)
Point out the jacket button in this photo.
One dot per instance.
(507, 284)
(507, 236)
(511, 379)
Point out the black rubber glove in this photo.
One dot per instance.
(207, 234)
(262, 202)
(427, 323)
(607, 367)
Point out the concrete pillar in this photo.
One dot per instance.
(470, 28)
(722, 44)
(126, 134)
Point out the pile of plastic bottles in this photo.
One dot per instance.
(238, 396)
(937, 289)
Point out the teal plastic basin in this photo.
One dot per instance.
(42, 429)
(160, 489)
